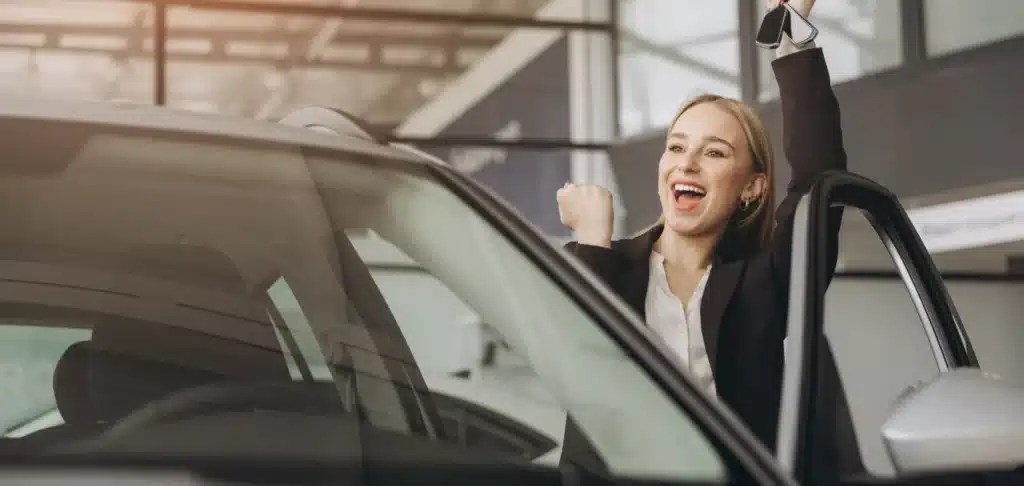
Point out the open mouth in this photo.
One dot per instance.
(688, 192)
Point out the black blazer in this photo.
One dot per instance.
(743, 311)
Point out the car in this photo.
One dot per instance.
(487, 387)
(195, 296)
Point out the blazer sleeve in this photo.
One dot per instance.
(812, 143)
(608, 263)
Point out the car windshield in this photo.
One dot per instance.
(174, 295)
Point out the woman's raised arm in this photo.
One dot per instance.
(812, 139)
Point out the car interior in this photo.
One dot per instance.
(164, 249)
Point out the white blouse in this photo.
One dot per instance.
(679, 325)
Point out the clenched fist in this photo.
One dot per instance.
(587, 210)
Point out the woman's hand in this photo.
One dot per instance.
(587, 210)
(802, 6)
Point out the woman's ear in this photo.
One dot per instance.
(755, 189)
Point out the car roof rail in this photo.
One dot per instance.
(337, 122)
(420, 153)
(333, 121)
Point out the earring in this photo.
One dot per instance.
(744, 205)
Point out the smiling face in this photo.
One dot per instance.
(707, 169)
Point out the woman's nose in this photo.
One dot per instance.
(689, 162)
(681, 162)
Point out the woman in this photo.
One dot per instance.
(712, 277)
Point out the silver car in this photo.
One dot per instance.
(199, 299)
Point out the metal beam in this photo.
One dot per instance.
(750, 58)
(219, 42)
(390, 15)
(915, 48)
(220, 37)
(615, 14)
(160, 55)
(223, 58)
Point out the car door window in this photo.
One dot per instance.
(882, 347)
(860, 341)
(467, 299)
(29, 351)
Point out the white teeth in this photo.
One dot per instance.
(688, 188)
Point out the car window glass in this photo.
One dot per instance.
(211, 278)
(566, 363)
(28, 358)
(882, 347)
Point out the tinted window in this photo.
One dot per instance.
(243, 298)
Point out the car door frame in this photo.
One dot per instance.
(811, 274)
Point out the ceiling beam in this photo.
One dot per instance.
(435, 17)
(223, 58)
(224, 36)
(218, 46)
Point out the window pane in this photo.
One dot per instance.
(29, 351)
(506, 362)
(83, 49)
(881, 349)
(952, 25)
(858, 38)
(528, 179)
(670, 53)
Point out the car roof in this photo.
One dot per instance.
(131, 115)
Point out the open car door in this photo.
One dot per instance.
(881, 383)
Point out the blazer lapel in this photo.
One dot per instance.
(725, 275)
(717, 294)
(638, 252)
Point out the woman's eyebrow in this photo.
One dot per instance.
(707, 138)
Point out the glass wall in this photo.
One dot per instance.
(92, 50)
(379, 70)
(670, 51)
(859, 37)
(453, 77)
(380, 60)
(955, 25)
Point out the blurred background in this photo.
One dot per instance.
(525, 95)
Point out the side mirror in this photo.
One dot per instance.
(965, 420)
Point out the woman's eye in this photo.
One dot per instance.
(715, 153)
(675, 148)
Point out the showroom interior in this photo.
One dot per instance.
(525, 95)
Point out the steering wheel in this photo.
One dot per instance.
(319, 398)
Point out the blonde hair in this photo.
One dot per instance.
(756, 224)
